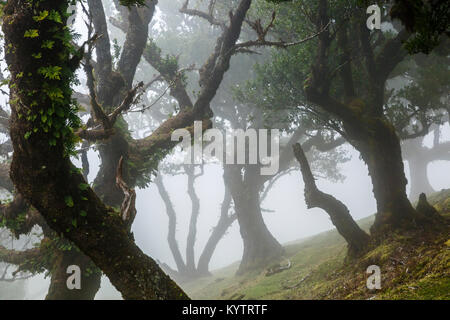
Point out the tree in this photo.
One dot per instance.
(187, 270)
(419, 157)
(339, 82)
(41, 168)
(249, 186)
(427, 21)
(347, 82)
(52, 254)
(418, 107)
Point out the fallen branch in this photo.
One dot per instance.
(278, 269)
(298, 283)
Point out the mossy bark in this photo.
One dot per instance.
(43, 173)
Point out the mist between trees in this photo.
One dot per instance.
(326, 113)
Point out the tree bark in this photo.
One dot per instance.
(380, 149)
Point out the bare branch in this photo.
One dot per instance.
(19, 258)
(126, 104)
(262, 33)
(95, 134)
(208, 16)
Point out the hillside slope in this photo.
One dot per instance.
(413, 266)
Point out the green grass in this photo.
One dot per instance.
(413, 267)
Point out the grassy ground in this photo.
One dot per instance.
(413, 266)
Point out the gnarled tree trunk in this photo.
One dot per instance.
(380, 149)
(260, 247)
(42, 171)
(356, 238)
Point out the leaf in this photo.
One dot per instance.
(83, 186)
(48, 44)
(32, 33)
(55, 16)
(83, 213)
(69, 201)
(41, 16)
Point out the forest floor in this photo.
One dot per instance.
(413, 266)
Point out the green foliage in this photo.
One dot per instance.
(423, 95)
(32, 33)
(14, 224)
(168, 65)
(427, 20)
(51, 72)
(69, 201)
(53, 111)
(83, 186)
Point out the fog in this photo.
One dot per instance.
(284, 210)
(290, 221)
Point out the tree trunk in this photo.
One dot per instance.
(41, 169)
(418, 158)
(380, 149)
(105, 182)
(260, 247)
(195, 211)
(90, 277)
(171, 234)
(419, 178)
(356, 238)
(217, 234)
